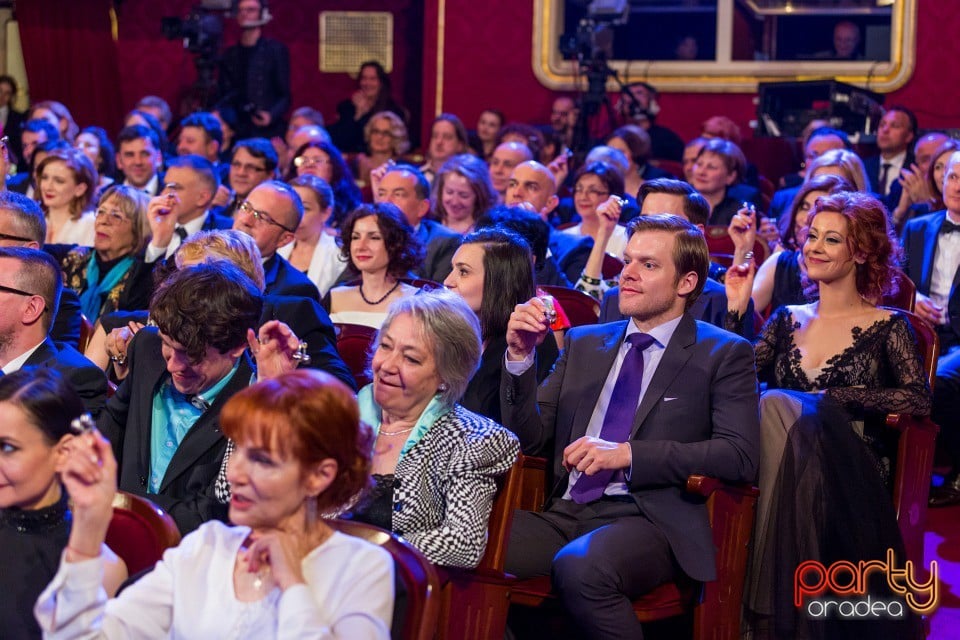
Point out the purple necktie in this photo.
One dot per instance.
(618, 421)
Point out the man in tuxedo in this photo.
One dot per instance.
(139, 158)
(404, 186)
(667, 397)
(932, 247)
(182, 209)
(534, 187)
(30, 285)
(270, 215)
(22, 224)
(162, 421)
(895, 136)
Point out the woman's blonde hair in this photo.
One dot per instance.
(235, 247)
(133, 204)
(849, 163)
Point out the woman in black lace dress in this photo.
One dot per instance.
(834, 368)
(36, 407)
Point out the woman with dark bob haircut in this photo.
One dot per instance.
(323, 160)
(36, 408)
(299, 452)
(493, 272)
(379, 244)
(834, 369)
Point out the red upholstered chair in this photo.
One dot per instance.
(140, 532)
(86, 332)
(353, 344)
(715, 606)
(414, 570)
(580, 308)
(474, 603)
(719, 243)
(670, 166)
(906, 296)
(612, 266)
(915, 450)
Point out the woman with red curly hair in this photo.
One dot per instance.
(834, 368)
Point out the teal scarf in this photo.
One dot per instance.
(92, 298)
(371, 414)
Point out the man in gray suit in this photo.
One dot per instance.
(631, 409)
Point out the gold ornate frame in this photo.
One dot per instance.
(724, 74)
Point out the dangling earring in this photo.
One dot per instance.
(443, 387)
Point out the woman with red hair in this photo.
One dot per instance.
(834, 368)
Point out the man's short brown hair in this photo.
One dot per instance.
(690, 251)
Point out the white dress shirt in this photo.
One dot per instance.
(154, 253)
(946, 261)
(326, 265)
(893, 173)
(17, 363)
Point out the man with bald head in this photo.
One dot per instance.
(533, 186)
(270, 215)
(505, 157)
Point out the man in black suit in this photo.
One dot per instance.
(22, 224)
(182, 209)
(30, 285)
(932, 247)
(534, 187)
(139, 158)
(895, 136)
(404, 186)
(270, 215)
(10, 119)
(162, 421)
(667, 397)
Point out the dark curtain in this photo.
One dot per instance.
(71, 57)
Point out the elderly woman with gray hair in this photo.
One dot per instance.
(434, 462)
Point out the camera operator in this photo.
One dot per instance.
(254, 76)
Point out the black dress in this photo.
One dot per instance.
(787, 287)
(30, 546)
(830, 500)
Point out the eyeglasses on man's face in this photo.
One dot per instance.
(261, 216)
(21, 292)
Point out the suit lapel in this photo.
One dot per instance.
(42, 354)
(671, 364)
(205, 433)
(270, 270)
(930, 249)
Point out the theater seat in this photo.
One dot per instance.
(580, 308)
(715, 605)
(353, 344)
(140, 532)
(419, 579)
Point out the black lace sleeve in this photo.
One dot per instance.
(765, 348)
(907, 389)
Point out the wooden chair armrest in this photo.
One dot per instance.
(534, 462)
(900, 420)
(705, 486)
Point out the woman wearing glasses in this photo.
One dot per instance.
(112, 275)
(323, 160)
(593, 184)
(380, 245)
(386, 138)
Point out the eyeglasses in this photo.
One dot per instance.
(236, 165)
(7, 236)
(110, 218)
(593, 193)
(20, 292)
(306, 161)
(261, 216)
(381, 132)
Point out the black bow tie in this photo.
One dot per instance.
(949, 227)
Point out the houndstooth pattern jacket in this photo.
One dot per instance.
(445, 486)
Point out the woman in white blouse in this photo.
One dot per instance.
(280, 572)
(66, 184)
(314, 249)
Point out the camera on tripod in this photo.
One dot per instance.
(201, 29)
